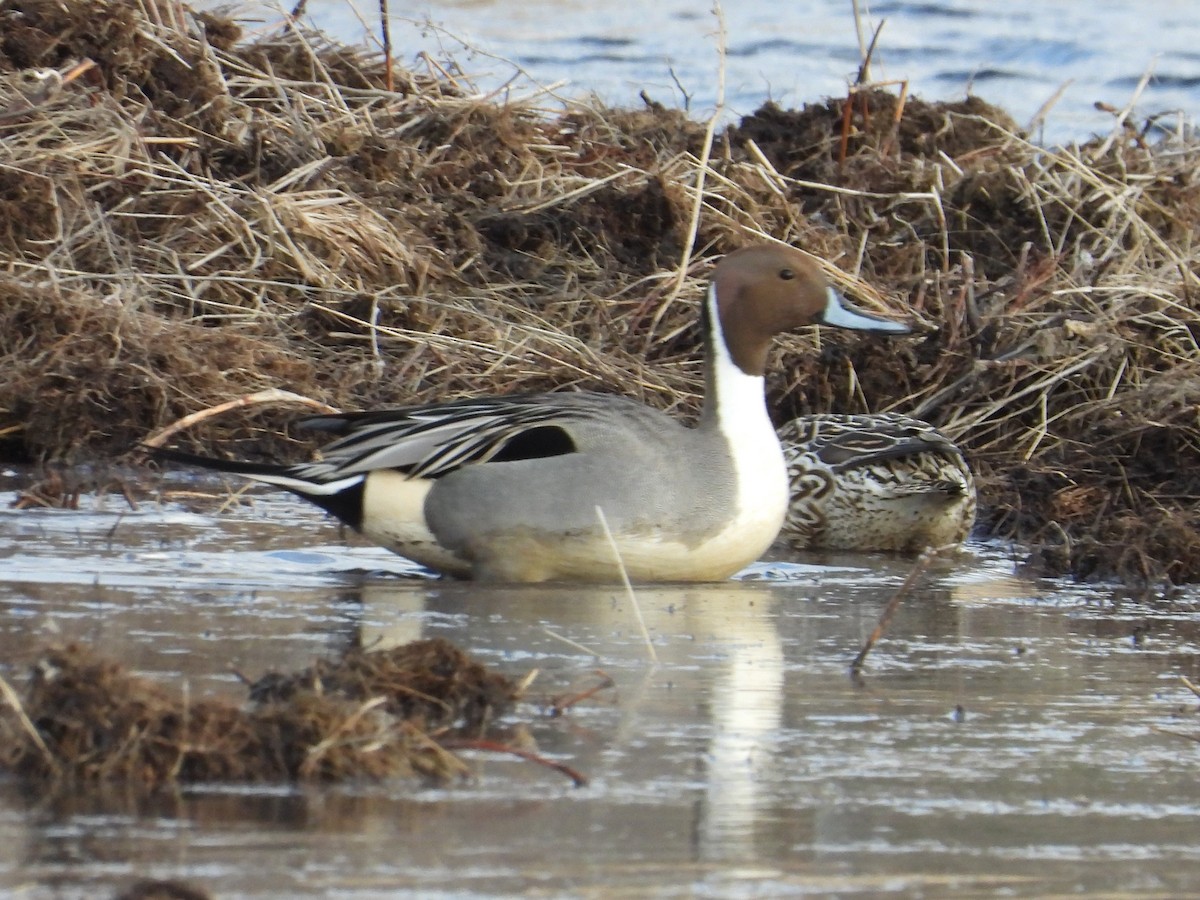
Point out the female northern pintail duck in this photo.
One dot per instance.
(511, 488)
(874, 482)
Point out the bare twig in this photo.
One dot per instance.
(701, 168)
(385, 25)
(559, 705)
(487, 746)
(918, 569)
(271, 395)
(14, 702)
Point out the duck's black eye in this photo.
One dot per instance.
(787, 274)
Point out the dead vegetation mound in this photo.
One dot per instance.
(188, 217)
(85, 720)
(429, 682)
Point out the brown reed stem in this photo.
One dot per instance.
(487, 746)
(885, 618)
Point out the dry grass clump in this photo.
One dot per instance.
(83, 719)
(194, 217)
(85, 371)
(430, 682)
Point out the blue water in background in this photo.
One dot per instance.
(1016, 54)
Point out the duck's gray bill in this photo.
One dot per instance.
(841, 314)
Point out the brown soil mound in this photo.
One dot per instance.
(84, 720)
(191, 218)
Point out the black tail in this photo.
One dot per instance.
(233, 466)
(346, 504)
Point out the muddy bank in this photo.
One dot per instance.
(190, 216)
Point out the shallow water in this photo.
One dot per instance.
(1018, 54)
(1001, 740)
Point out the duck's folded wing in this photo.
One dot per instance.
(431, 441)
(843, 442)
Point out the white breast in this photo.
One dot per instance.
(762, 479)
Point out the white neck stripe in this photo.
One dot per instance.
(740, 404)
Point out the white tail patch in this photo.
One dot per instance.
(303, 486)
(393, 516)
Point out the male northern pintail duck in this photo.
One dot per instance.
(512, 488)
(874, 482)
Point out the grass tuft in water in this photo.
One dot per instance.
(85, 720)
